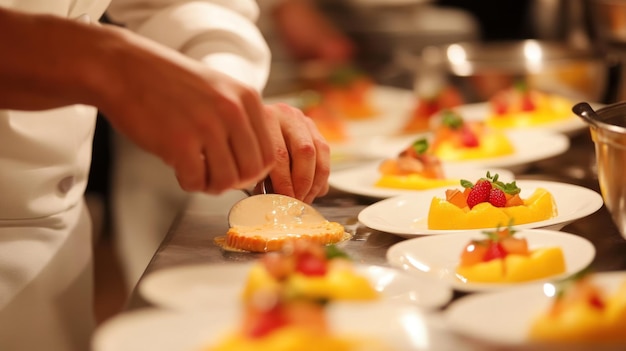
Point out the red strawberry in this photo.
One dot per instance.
(479, 193)
(311, 265)
(527, 103)
(494, 252)
(497, 197)
(468, 137)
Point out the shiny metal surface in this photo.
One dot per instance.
(480, 69)
(609, 136)
(192, 235)
(609, 17)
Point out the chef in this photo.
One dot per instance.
(199, 112)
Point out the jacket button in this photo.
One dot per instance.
(66, 184)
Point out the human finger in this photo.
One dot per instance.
(301, 148)
(280, 173)
(320, 186)
(189, 166)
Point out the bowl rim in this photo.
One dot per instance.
(505, 55)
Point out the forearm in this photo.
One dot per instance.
(49, 61)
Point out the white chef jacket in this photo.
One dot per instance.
(45, 240)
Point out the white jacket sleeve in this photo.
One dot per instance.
(220, 33)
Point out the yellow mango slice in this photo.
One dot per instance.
(578, 322)
(486, 272)
(259, 279)
(549, 109)
(337, 284)
(443, 215)
(491, 145)
(541, 263)
(413, 182)
(583, 322)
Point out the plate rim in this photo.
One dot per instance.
(449, 314)
(487, 287)
(559, 142)
(592, 205)
(441, 293)
(369, 166)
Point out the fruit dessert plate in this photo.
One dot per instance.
(203, 286)
(407, 215)
(470, 261)
(591, 310)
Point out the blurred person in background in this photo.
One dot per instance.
(186, 89)
(145, 198)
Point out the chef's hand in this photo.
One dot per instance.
(302, 154)
(209, 127)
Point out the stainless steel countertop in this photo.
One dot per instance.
(191, 238)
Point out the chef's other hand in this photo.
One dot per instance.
(302, 155)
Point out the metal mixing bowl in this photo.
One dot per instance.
(609, 137)
(481, 69)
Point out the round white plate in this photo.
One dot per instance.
(407, 215)
(166, 330)
(202, 286)
(530, 146)
(360, 180)
(488, 316)
(437, 257)
(569, 126)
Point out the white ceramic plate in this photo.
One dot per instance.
(202, 286)
(360, 180)
(487, 316)
(166, 330)
(437, 257)
(407, 215)
(530, 146)
(569, 126)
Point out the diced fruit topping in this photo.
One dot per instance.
(303, 257)
(578, 289)
(261, 320)
(499, 244)
(518, 98)
(415, 159)
(494, 251)
(468, 137)
(491, 190)
(311, 265)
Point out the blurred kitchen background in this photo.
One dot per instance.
(404, 43)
